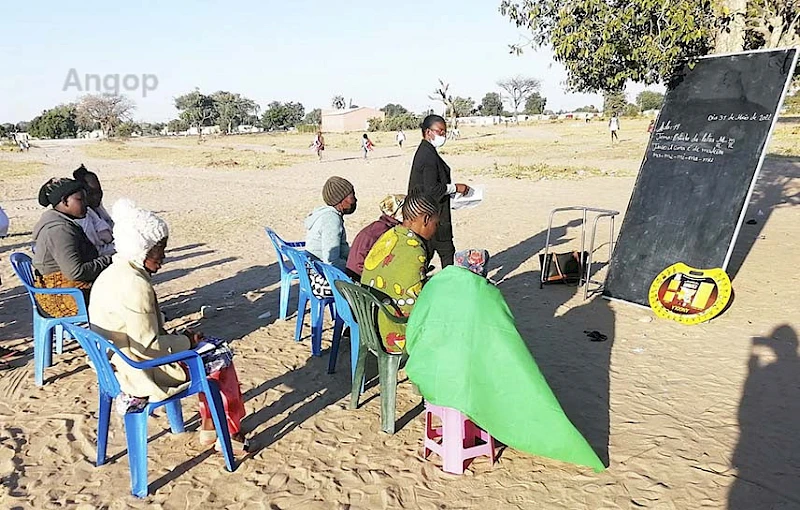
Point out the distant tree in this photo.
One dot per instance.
(233, 109)
(177, 126)
(374, 124)
(535, 104)
(58, 122)
(338, 102)
(392, 109)
(107, 110)
(589, 109)
(3, 131)
(8, 128)
(282, 115)
(197, 110)
(491, 105)
(128, 128)
(22, 127)
(614, 102)
(442, 94)
(314, 117)
(518, 90)
(154, 129)
(464, 106)
(631, 110)
(402, 121)
(649, 100)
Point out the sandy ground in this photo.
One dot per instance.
(688, 417)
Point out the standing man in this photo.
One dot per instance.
(613, 125)
(431, 174)
(400, 137)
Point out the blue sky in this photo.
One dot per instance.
(374, 52)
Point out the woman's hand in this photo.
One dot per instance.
(462, 188)
(194, 337)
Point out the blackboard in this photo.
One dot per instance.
(700, 167)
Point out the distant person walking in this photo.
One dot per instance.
(366, 145)
(613, 126)
(431, 174)
(401, 137)
(23, 141)
(651, 126)
(318, 145)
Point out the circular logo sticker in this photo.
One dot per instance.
(688, 295)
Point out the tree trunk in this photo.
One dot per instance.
(730, 38)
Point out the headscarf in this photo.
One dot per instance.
(56, 189)
(392, 206)
(136, 230)
(476, 261)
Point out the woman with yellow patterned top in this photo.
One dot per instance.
(398, 262)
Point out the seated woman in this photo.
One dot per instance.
(124, 310)
(97, 224)
(397, 264)
(63, 256)
(391, 216)
(464, 352)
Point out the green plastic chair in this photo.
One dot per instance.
(365, 306)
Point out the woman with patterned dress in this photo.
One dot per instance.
(398, 262)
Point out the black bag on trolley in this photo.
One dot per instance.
(567, 268)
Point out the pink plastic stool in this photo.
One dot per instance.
(458, 437)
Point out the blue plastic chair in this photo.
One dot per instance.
(288, 272)
(300, 260)
(44, 326)
(333, 274)
(97, 349)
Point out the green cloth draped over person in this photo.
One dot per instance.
(465, 353)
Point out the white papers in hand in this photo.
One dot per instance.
(471, 199)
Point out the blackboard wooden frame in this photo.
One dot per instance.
(629, 290)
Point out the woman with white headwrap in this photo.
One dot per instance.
(124, 309)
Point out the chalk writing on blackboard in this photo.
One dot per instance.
(669, 142)
(741, 117)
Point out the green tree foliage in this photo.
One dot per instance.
(154, 129)
(535, 104)
(614, 102)
(177, 126)
(3, 131)
(491, 104)
(631, 110)
(587, 109)
(604, 44)
(405, 121)
(58, 122)
(197, 109)
(649, 100)
(314, 117)
(338, 102)
(392, 109)
(282, 115)
(7, 128)
(233, 110)
(22, 127)
(463, 106)
(127, 129)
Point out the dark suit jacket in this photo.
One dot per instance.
(431, 174)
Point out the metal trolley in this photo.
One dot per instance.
(587, 268)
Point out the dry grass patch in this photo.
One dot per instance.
(544, 171)
(16, 169)
(786, 139)
(196, 157)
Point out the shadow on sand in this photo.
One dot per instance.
(767, 457)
